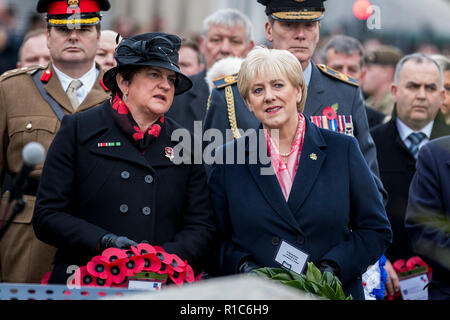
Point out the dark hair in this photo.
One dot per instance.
(128, 72)
(346, 45)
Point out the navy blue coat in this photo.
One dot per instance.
(87, 191)
(334, 211)
(429, 198)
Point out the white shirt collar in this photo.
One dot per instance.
(88, 81)
(404, 131)
(307, 74)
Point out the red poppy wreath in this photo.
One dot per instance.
(115, 267)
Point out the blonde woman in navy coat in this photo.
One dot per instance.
(320, 197)
(109, 179)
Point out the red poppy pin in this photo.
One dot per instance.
(169, 153)
(330, 111)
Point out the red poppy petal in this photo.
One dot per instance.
(189, 275)
(398, 265)
(98, 267)
(152, 263)
(145, 248)
(84, 278)
(199, 276)
(163, 255)
(134, 266)
(415, 262)
(177, 264)
(114, 254)
(46, 277)
(177, 278)
(117, 273)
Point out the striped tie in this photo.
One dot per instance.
(415, 138)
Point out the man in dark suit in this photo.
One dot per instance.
(346, 55)
(226, 32)
(418, 94)
(332, 96)
(428, 212)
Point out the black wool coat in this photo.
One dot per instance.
(87, 191)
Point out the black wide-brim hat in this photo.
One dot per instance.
(154, 49)
(73, 12)
(294, 10)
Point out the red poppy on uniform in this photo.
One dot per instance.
(329, 113)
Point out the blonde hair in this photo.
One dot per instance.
(262, 62)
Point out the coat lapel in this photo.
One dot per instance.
(268, 184)
(156, 153)
(97, 95)
(55, 90)
(314, 104)
(311, 161)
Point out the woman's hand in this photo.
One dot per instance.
(111, 240)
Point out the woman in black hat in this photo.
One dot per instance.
(110, 178)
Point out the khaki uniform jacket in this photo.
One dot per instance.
(24, 117)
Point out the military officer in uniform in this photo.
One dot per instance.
(32, 104)
(334, 100)
(376, 85)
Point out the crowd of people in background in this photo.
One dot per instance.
(393, 175)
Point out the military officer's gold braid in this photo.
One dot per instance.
(208, 103)
(231, 111)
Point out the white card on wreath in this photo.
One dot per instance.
(144, 285)
(412, 288)
(291, 258)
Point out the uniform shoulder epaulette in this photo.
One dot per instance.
(19, 71)
(226, 80)
(338, 75)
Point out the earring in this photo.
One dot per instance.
(124, 98)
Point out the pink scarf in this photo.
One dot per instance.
(285, 172)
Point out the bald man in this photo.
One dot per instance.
(106, 48)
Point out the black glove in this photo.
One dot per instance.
(247, 266)
(111, 240)
(331, 267)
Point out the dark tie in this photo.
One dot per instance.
(415, 138)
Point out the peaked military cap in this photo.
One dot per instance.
(294, 10)
(384, 55)
(73, 12)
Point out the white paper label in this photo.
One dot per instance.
(291, 258)
(144, 285)
(413, 288)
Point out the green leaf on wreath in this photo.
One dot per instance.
(312, 273)
(328, 292)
